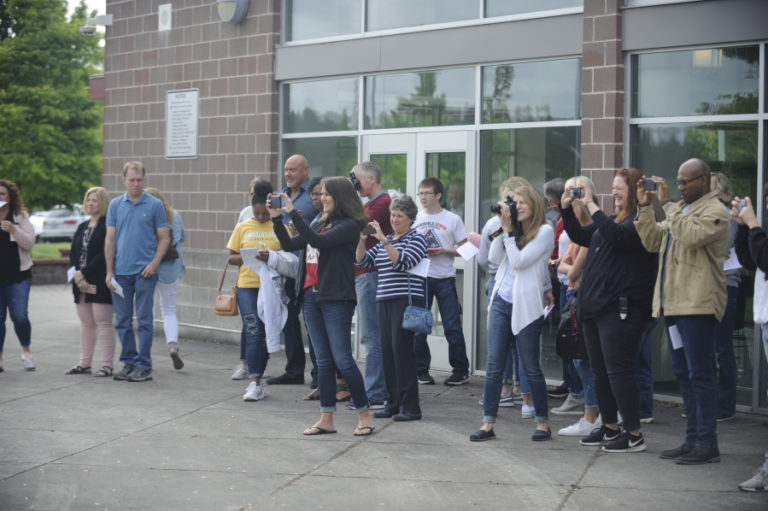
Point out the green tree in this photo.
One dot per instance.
(50, 131)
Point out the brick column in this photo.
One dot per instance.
(602, 95)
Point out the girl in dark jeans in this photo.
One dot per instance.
(614, 306)
(329, 293)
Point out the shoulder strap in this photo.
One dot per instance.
(226, 265)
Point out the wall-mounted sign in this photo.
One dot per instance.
(181, 119)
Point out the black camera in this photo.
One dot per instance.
(495, 208)
(649, 185)
(355, 181)
(576, 193)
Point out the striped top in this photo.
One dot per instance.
(393, 279)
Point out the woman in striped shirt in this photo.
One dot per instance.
(394, 256)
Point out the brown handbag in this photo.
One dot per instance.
(171, 254)
(226, 305)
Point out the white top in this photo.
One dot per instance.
(529, 266)
(245, 214)
(562, 249)
(491, 226)
(444, 229)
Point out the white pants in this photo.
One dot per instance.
(168, 295)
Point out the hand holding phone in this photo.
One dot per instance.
(275, 202)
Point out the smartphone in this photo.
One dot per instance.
(368, 230)
(649, 185)
(742, 204)
(276, 202)
(575, 193)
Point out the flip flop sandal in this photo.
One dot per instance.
(320, 431)
(312, 396)
(79, 370)
(104, 371)
(369, 428)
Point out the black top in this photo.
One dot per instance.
(752, 248)
(95, 268)
(617, 264)
(337, 246)
(9, 259)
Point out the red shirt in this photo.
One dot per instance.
(558, 232)
(377, 209)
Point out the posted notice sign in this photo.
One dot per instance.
(181, 119)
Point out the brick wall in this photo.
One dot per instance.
(231, 65)
(602, 117)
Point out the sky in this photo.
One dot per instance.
(99, 5)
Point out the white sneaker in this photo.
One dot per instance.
(758, 482)
(581, 429)
(28, 361)
(241, 373)
(573, 405)
(254, 392)
(528, 411)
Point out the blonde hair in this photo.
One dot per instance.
(102, 195)
(723, 187)
(579, 208)
(512, 184)
(168, 209)
(538, 212)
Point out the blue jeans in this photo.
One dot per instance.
(143, 290)
(448, 303)
(692, 364)
(571, 376)
(15, 298)
(253, 330)
(644, 370)
(367, 313)
(511, 372)
(726, 360)
(330, 331)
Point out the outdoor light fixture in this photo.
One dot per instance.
(91, 23)
(232, 11)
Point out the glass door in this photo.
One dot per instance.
(407, 158)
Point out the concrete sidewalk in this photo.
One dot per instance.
(187, 441)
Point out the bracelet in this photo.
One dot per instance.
(505, 235)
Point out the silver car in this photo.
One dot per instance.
(55, 224)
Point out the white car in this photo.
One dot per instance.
(57, 223)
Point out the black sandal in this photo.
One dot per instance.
(104, 371)
(79, 370)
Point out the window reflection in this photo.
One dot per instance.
(532, 91)
(328, 105)
(508, 7)
(327, 156)
(309, 19)
(696, 82)
(384, 14)
(430, 98)
(394, 168)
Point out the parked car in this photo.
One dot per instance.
(56, 224)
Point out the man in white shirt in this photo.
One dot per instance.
(444, 232)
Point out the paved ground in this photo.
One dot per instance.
(187, 441)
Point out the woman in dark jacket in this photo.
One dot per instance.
(92, 297)
(329, 293)
(614, 306)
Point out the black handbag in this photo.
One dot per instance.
(417, 319)
(569, 340)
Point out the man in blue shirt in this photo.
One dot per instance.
(137, 239)
(296, 179)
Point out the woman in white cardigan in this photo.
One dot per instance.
(516, 313)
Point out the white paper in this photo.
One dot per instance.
(674, 337)
(2, 203)
(467, 251)
(731, 261)
(70, 274)
(249, 258)
(548, 309)
(421, 269)
(116, 288)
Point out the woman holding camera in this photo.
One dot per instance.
(522, 252)
(329, 293)
(614, 306)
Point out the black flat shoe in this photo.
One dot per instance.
(481, 435)
(540, 435)
(385, 414)
(403, 417)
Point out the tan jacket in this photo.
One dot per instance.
(25, 239)
(695, 282)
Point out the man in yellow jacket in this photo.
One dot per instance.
(690, 293)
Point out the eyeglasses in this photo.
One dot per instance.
(684, 182)
(424, 194)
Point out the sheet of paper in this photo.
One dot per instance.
(548, 309)
(674, 337)
(421, 269)
(2, 203)
(116, 288)
(467, 251)
(731, 261)
(249, 258)
(70, 272)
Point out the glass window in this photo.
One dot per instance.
(309, 19)
(696, 82)
(450, 168)
(507, 7)
(430, 98)
(327, 105)
(327, 156)
(532, 91)
(538, 155)
(394, 168)
(384, 14)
